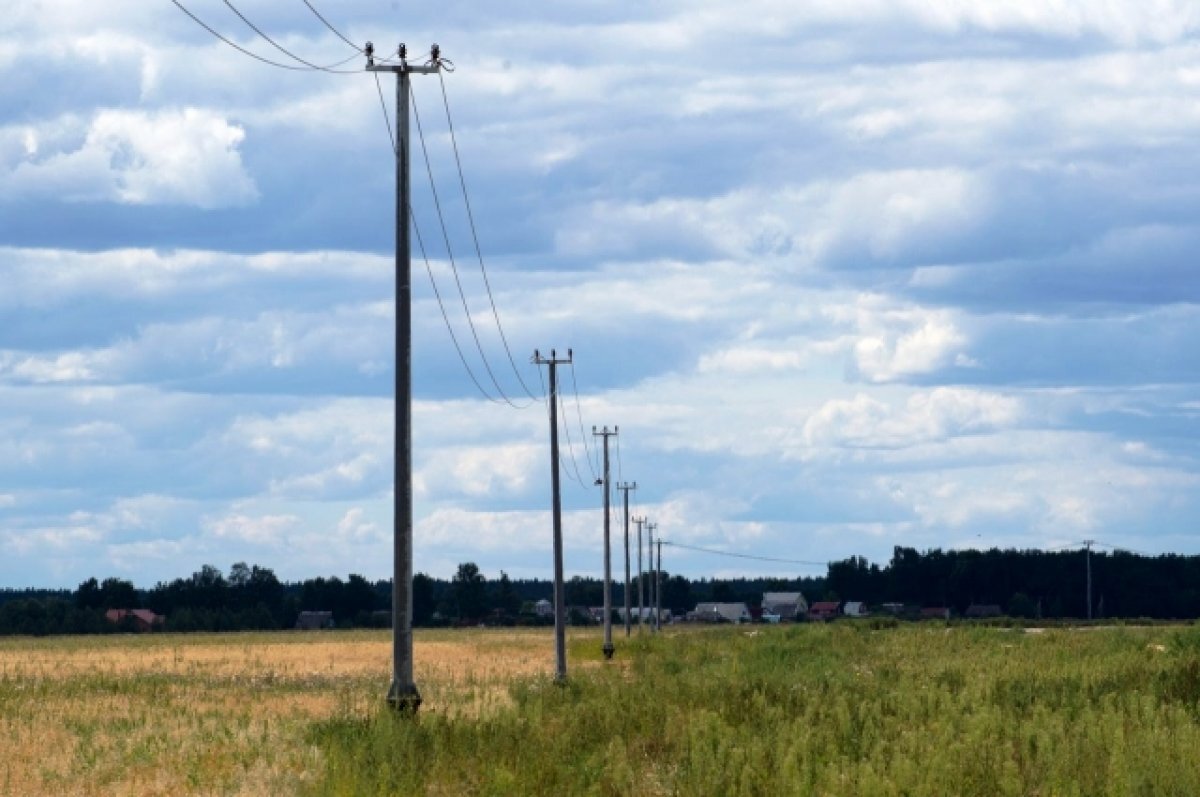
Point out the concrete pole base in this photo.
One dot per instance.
(404, 699)
(608, 651)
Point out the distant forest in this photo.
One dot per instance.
(1024, 584)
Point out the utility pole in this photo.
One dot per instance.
(658, 589)
(625, 488)
(608, 643)
(650, 527)
(641, 576)
(403, 694)
(1088, 545)
(560, 601)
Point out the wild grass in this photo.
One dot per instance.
(823, 710)
(837, 710)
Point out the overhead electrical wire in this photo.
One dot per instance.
(428, 268)
(744, 555)
(335, 31)
(309, 68)
(579, 415)
(570, 448)
(450, 254)
(331, 68)
(284, 50)
(445, 317)
(475, 236)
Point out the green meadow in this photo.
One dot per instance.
(841, 709)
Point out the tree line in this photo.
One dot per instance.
(1027, 583)
(250, 597)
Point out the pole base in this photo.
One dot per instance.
(608, 651)
(404, 699)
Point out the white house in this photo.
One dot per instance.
(855, 609)
(788, 605)
(544, 608)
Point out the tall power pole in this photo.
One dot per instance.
(1088, 545)
(658, 588)
(560, 601)
(641, 576)
(650, 528)
(403, 694)
(608, 643)
(625, 488)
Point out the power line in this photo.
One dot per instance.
(284, 50)
(745, 555)
(579, 415)
(453, 266)
(445, 317)
(570, 449)
(336, 32)
(475, 236)
(237, 47)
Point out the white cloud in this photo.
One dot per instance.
(166, 157)
(256, 530)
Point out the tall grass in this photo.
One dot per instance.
(834, 710)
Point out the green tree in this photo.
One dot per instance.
(469, 592)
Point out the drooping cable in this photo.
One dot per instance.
(445, 317)
(562, 465)
(579, 415)
(284, 50)
(335, 31)
(620, 478)
(745, 555)
(238, 47)
(562, 412)
(428, 268)
(450, 254)
(475, 235)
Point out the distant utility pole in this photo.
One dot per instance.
(625, 488)
(403, 694)
(608, 643)
(1088, 545)
(658, 588)
(650, 527)
(641, 576)
(560, 601)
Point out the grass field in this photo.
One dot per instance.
(823, 710)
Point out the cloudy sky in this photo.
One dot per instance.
(848, 274)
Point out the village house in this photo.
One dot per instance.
(786, 605)
(823, 610)
(543, 608)
(721, 613)
(855, 609)
(935, 613)
(142, 619)
(981, 610)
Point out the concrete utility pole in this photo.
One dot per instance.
(1088, 545)
(650, 527)
(625, 488)
(641, 576)
(658, 589)
(608, 643)
(560, 601)
(403, 694)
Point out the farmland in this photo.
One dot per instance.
(844, 709)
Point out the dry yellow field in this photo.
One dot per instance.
(221, 713)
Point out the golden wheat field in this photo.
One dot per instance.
(169, 714)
